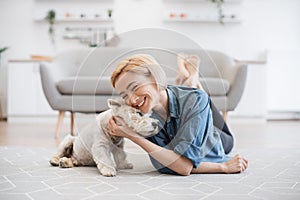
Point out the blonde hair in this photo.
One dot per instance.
(143, 64)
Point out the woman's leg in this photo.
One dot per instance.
(220, 124)
(227, 141)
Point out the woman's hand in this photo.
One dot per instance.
(120, 128)
(237, 164)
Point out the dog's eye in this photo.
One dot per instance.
(140, 114)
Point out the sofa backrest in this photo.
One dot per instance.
(102, 61)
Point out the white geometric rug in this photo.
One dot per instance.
(26, 174)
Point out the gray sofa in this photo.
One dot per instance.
(78, 79)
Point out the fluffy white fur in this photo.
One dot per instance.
(95, 146)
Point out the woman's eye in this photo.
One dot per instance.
(135, 87)
(124, 97)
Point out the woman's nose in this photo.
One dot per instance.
(133, 99)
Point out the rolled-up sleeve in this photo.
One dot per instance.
(192, 138)
(189, 131)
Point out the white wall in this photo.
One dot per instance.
(267, 24)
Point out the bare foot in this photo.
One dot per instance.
(192, 66)
(237, 164)
(181, 65)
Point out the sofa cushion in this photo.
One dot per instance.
(85, 86)
(213, 86)
(102, 86)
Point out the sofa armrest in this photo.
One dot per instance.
(237, 87)
(48, 80)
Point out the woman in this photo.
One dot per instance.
(188, 141)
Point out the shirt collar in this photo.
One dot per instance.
(173, 104)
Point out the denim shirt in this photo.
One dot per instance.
(189, 129)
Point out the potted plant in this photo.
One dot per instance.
(219, 4)
(109, 13)
(2, 49)
(50, 18)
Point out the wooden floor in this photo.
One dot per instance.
(30, 134)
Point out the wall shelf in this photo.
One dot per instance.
(202, 1)
(74, 10)
(202, 11)
(74, 1)
(203, 20)
(77, 20)
(67, 16)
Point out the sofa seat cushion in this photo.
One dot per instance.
(102, 86)
(85, 86)
(213, 86)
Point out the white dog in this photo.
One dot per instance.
(95, 146)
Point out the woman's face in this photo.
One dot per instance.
(138, 91)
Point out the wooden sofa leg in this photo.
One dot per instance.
(225, 116)
(72, 123)
(1, 114)
(60, 119)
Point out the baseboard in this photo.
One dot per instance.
(246, 119)
(282, 116)
(48, 118)
(35, 119)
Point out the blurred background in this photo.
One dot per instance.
(263, 34)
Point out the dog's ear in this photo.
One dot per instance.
(113, 102)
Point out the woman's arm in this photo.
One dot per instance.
(236, 165)
(184, 166)
(166, 157)
(172, 160)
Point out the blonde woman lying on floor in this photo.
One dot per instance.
(193, 136)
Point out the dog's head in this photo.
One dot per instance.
(143, 124)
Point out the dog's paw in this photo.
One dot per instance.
(54, 161)
(108, 171)
(65, 162)
(125, 165)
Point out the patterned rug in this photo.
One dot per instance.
(26, 174)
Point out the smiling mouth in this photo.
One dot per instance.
(141, 103)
